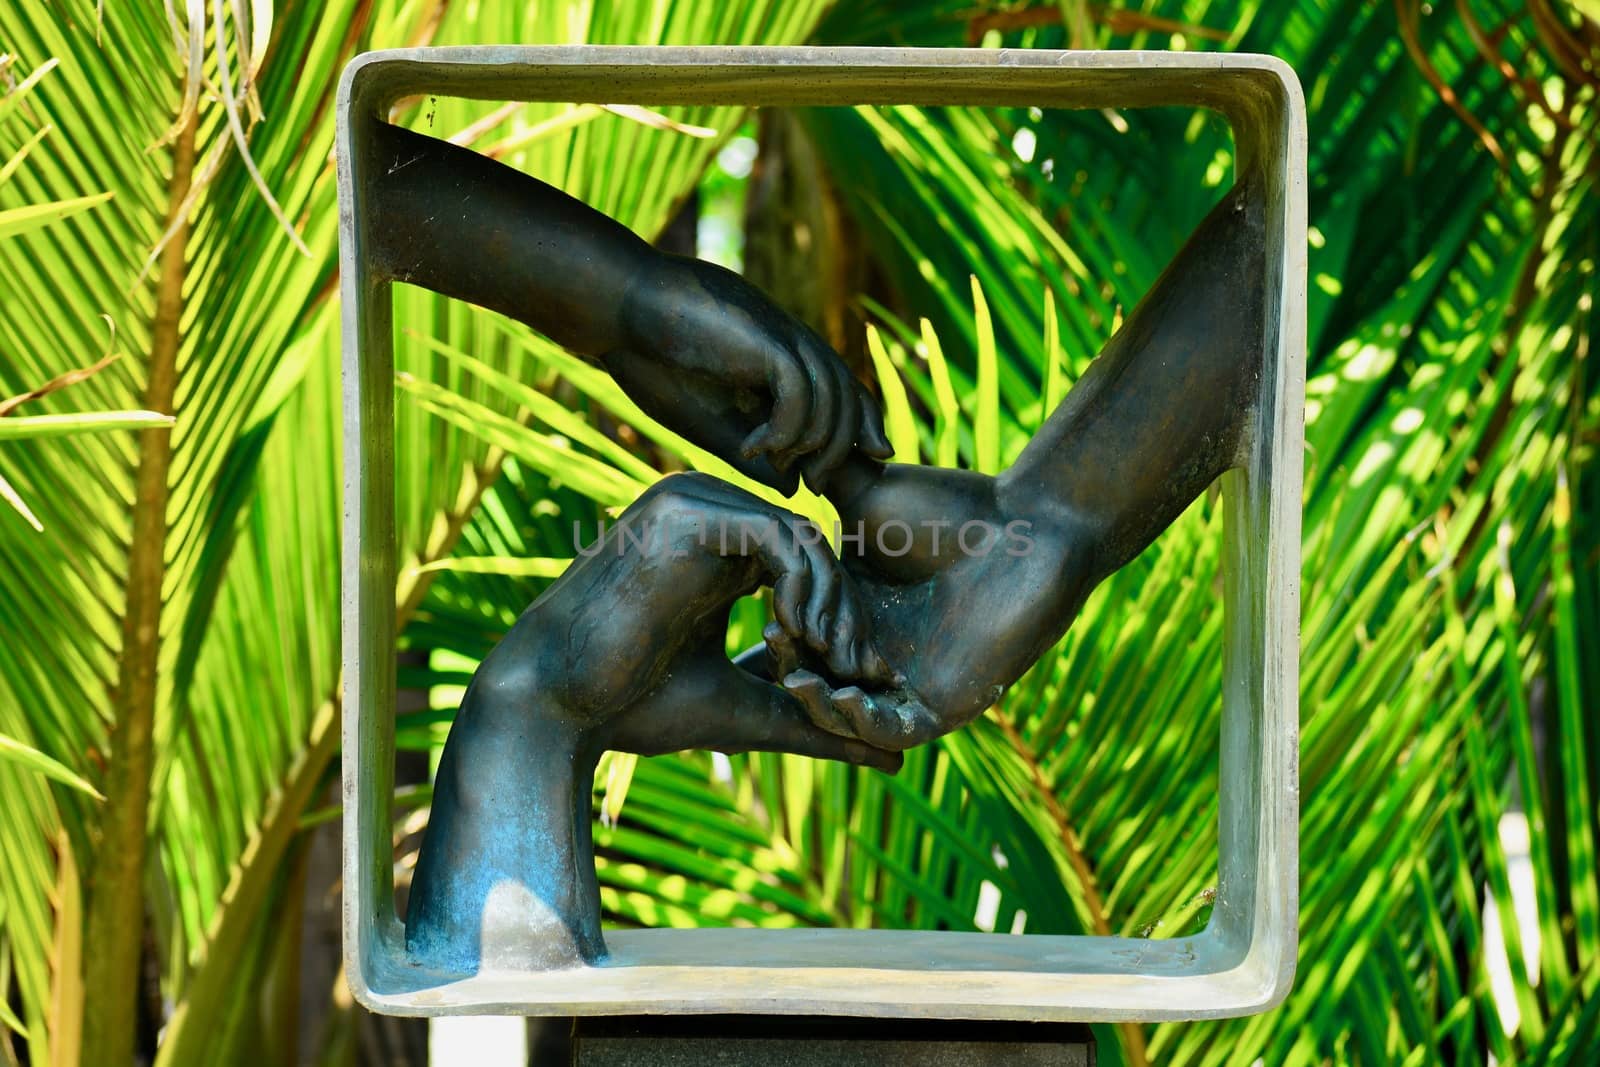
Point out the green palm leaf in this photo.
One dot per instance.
(227, 577)
(187, 585)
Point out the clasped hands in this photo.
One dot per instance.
(711, 356)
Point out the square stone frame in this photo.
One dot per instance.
(1244, 960)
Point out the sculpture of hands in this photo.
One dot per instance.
(867, 656)
(654, 677)
(1154, 421)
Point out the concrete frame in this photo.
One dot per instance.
(1243, 962)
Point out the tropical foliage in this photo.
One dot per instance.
(171, 637)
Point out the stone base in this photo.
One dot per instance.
(823, 1041)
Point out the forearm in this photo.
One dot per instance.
(1163, 411)
(454, 221)
(693, 344)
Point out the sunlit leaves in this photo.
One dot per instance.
(16, 752)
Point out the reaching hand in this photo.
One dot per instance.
(790, 396)
(815, 600)
(631, 640)
(895, 719)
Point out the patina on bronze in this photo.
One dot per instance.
(870, 653)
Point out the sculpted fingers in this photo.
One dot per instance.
(819, 412)
(842, 434)
(895, 720)
(791, 409)
(827, 586)
(874, 441)
(783, 658)
(864, 663)
(808, 582)
(709, 703)
(815, 698)
(815, 600)
(857, 423)
(858, 709)
(829, 394)
(788, 599)
(837, 625)
(802, 590)
(804, 739)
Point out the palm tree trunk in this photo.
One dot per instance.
(114, 925)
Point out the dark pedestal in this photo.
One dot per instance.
(824, 1041)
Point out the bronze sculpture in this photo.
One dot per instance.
(870, 654)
